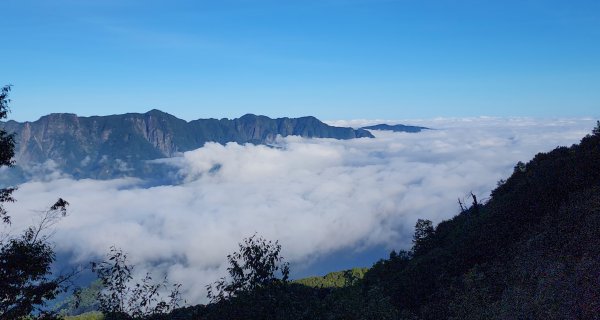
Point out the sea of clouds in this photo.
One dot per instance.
(315, 196)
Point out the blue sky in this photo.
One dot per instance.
(335, 59)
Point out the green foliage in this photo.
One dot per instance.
(424, 233)
(7, 151)
(254, 266)
(93, 315)
(596, 130)
(84, 300)
(258, 289)
(26, 281)
(529, 252)
(520, 167)
(119, 299)
(295, 301)
(337, 279)
(278, 299)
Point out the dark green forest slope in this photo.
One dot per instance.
(531, 252)
(336, 279)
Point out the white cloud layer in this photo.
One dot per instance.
(316, 196)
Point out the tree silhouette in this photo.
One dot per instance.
(422, 238)
(7, 151)
(120, 299)
(26, 282)
(254, 266)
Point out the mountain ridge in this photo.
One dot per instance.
(114, 145)
(396, 128)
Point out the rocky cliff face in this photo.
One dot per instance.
(116, 145)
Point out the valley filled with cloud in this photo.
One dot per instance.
(315, 196)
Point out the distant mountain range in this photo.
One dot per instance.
(396, 128)
(117, 145)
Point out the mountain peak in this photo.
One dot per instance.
(396, 128)
(59, 116)
(157, 112)
(119, 145)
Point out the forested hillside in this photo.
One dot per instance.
(531, 252)
(337, 279)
